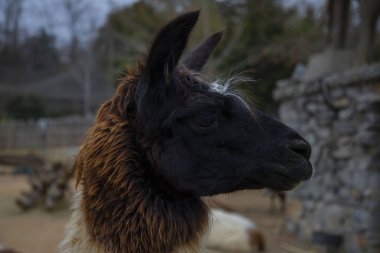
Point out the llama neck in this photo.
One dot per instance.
(143, 221)
(121, 205)
(135, 234)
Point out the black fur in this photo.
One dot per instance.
(205, 142)
(165, 139)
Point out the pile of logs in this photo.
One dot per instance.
(48, 181)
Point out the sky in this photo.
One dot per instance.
(50, 14)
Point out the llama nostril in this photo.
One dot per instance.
(301, 147)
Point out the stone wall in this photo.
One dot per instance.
(339, 114)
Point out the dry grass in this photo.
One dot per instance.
(35, 231)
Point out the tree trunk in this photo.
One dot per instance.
(369, 11)
(340, 12)
(11, 12)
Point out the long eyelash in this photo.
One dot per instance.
(240, 86)
(236, 80)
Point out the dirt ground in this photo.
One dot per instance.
(38, 231)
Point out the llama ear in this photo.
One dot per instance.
(198, 57)
(168, 47)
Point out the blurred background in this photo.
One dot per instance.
(316, 66)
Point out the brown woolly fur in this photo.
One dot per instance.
(257, 239)
(124, 211)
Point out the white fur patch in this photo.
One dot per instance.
(76, 238)
(228, 231)
(217, 87)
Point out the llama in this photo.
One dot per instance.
(166, 139)
(232, 232)
(6, 250)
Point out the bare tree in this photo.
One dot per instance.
(82, 73)
(75, 11)
(338, 12)
(45, 12)
(10, 27)
(80, 15)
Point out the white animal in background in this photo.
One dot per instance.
(233, 232)
(3, 249)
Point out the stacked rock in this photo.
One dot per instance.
(339, 114)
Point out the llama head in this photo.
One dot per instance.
(203, 138)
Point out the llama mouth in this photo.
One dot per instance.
(278, 177)
(284, 183)
(287, 182)
(284, 178)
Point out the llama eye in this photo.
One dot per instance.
(204, 121)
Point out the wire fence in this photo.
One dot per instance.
(43, 133)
